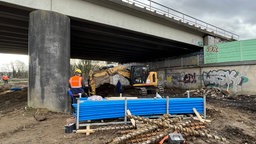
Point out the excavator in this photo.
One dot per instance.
(140, 77)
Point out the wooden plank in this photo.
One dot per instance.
(205, 120)
(120, 98)
(132, 120)
(87, 131)
(198, 115)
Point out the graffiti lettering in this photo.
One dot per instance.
(174, 79)
(212, 49)
(169, 78)
(189, 78)
(181, 78)
(224, 78)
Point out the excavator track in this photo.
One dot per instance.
(142, 91)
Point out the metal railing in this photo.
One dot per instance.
(181, 17)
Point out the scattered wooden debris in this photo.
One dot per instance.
(212, 92)
(132, 120)
(198, 115)
(205, 120)
(87, 131)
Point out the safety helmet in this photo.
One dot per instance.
(78, 71)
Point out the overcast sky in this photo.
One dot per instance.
(236, 16)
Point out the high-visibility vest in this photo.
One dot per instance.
(75, 82)
(5, 78)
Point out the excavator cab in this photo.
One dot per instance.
(142, 76)
(144, 80)
(139, 74)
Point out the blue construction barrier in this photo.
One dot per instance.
(106, 109)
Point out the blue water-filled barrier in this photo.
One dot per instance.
(106, 109)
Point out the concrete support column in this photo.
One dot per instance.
(49, 55)
(210, 40)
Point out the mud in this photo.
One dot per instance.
(233, 133)
(239, 102)
(11, 101)
(233, 118)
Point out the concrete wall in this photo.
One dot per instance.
(190, 72)
(180, 77)
(238, 79)
(178, 62)
(191, 60)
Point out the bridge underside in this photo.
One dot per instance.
(90, 40)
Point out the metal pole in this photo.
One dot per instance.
(204, 106)
(150, 5)
(125, 109)
(167, 105)
(188, 93)
(181, 61)
(77, 114)
(198, 59)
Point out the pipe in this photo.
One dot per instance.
(131, 135)
(115, 128)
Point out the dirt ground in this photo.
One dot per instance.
(233, 118)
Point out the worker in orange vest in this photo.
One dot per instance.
(5, 79)
(76, 84)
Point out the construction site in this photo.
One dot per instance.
(168, 77)
(229, 119)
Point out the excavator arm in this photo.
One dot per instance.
(96, 78)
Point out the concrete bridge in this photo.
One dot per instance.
(53, 31)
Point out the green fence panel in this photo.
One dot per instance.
(230, 52)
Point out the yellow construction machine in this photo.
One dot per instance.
(139, 77)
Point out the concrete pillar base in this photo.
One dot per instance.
(49, 55)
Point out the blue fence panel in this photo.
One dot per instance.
(106, 109)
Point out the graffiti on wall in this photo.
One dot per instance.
(169, 78)
(179, 78)
(160, 78)
(189, 78)
(224, 78)
(212, 48)
(173, 78)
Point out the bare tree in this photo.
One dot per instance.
(19, 69)
(84, 65)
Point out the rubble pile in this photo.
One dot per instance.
(209, 92)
